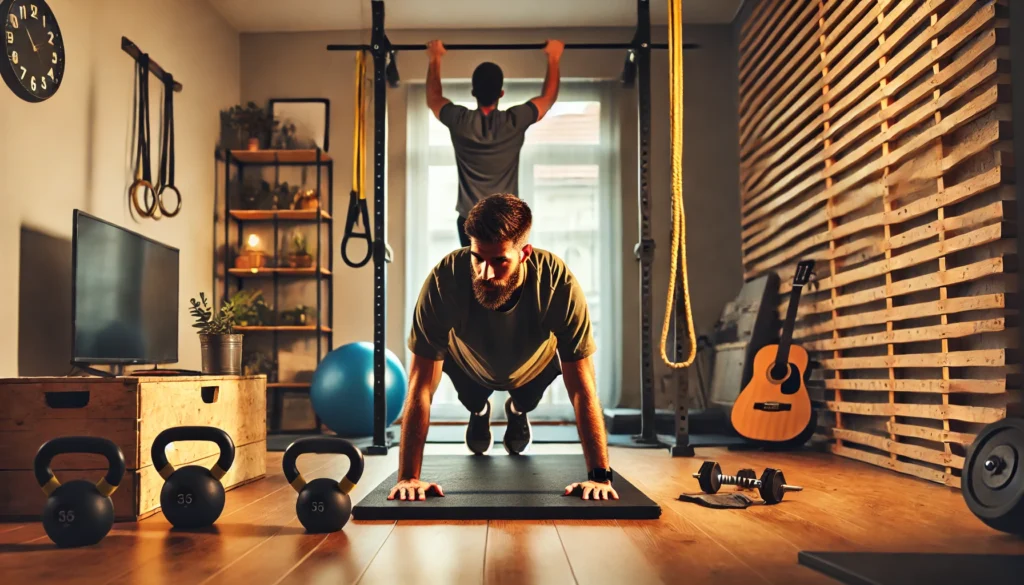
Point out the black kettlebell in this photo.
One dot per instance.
(192, 496)
(79, 512)
(323, 504)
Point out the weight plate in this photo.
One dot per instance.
(996, 494)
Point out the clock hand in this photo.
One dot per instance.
(29, 31)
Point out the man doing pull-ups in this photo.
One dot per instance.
(487, 140)
(501, 315)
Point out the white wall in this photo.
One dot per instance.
(72, 151)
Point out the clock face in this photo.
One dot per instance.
(34, 48)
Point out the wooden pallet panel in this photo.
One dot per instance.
(878, 143)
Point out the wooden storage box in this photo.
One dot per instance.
(130, 411)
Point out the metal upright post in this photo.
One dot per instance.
(645, 248)
(379, 46)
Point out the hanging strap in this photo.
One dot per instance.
(143, 173)
(357, 197)
(167, 150)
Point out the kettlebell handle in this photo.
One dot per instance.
(196, 433)
(79, 444)
(323, 445)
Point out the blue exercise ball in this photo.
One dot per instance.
(342, 389)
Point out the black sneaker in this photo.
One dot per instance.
(478, 432)
(518, 434)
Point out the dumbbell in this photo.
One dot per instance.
(771, 487)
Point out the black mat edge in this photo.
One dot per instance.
(813, 560)
(472, 513)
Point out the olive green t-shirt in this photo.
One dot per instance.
(502, 350)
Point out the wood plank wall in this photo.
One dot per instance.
(875, 139)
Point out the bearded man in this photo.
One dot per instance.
(501, 315)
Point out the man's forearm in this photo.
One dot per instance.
(415, 423)
(590, 422)
(434, 90)
(582, 386)
(551, 79)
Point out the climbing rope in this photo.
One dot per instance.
(678, 256)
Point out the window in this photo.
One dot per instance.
(568, 175)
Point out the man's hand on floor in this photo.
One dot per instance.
(414, 489)
(593, 490)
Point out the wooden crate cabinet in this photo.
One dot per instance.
(131, 411)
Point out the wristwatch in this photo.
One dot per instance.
(599, 474)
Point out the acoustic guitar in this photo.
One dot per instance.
(775, 406)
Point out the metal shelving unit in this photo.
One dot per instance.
(322, 272)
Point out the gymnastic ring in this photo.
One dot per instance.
(133, 194)
(160, 200)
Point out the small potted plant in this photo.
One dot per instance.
(299, 256)
(249, 307)
(221, 346)
(252, 121)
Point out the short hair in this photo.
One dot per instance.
(500, 218)
(487, 82)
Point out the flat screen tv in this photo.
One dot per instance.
(124, 295)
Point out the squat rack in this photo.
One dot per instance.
(637, 64)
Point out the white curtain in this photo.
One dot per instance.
(569, 175)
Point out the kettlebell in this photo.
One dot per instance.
(79, 512)
(192, 496)
(323, 504)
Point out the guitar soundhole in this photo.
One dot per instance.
(791, 382)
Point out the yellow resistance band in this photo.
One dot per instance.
(675, 56)
(359, 135)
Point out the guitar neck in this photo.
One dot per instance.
(782, 359)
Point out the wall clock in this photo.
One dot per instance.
(33, 66)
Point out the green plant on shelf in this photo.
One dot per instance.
(250, 308)
(252, 122)
(209, 321)
(262, 196)
(298, 316)
(298, 254)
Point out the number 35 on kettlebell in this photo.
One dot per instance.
(192, 496)
(323, 504)
(79, 512)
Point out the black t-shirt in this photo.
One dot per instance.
(487, 149)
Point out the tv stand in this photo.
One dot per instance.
(168, 372)
(116, 370)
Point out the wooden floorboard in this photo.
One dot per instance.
(602, 552)
(419, 551)
(845, 506)
(525, 552)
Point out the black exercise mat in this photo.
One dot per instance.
(541, 434)
(903, 568)
(490, 487)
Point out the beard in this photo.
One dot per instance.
(493, 295)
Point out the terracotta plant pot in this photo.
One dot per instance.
(300, 260)
(251, 260)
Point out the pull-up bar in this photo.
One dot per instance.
(505, 46)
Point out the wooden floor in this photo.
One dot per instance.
(845, 506)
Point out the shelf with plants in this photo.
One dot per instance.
(273, 241)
